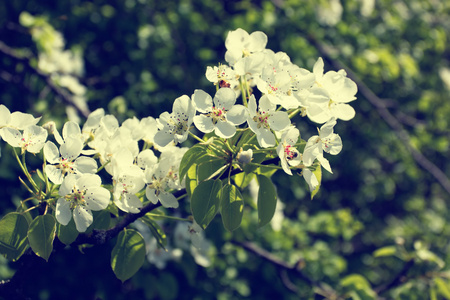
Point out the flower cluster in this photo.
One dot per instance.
(143, 159)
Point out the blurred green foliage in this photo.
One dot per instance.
(140, 55)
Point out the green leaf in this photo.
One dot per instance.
(128, 254)
(442, 287)
(67, 234)
(243, 179)
(156, 230)
(318, 173)
(257, 158)
(191, 180)
(40, 175)
(191, 157)
(13, 235)
(41, 235)
(208, 168)
(385, 251)
(267, 200)
(231, 207)
(205, 201)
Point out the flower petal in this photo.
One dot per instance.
(225, 129)
(83, 218)
(204, 123)
(63, 213)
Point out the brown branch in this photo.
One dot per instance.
(60, 92)
(285, 268)
(399, 279)
(386, 115)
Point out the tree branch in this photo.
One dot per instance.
(25, 58)
(285, 268)
(385, 114)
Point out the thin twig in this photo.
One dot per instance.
(386, 115)
(62, 93)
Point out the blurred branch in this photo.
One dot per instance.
(399, 279)
(385, 114)
(284, 268)
(26, 58)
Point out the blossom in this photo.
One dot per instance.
(175, 126)
(16, 120)
(239, 43)
(128, 182)
(32, 139)
(223, 75)
(79, 195)
(338, 90)
(326, 141)
(158, 186)
(286, 150)
(67, 160)
(265, 118)
(222, 116)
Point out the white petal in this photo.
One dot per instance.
(168, 200)
(252, 106)
(310, 179)
(5, 115)
(129, 203)
(327, 128)
(265, 138)
(71, 129)
(279, 121)
(284, 164)
(97, 198)
(225, 129)
(324, 163)
(67, 185)
(265, 105)
(71, 149)
(204, 123)
(21, 121)
(12, 136)
(224, 98)
(318, 68)
(162, 138)
(63, 213)
(88, 180)
(51, 152)
(343, 111)
(85, 164)
(258, 41)
(54, 174)
(202, 101)
(151, 195)
(237, 114)
(146, 159)
(83, 218)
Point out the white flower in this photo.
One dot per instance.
(175, 126)
(16, 120)
(223, 75)
(70, 161)
(79, 195)
(157, 186)
(129, 182)
(286, 150)
(265, 118)
(222, 116)
(32, 139)
(326, 141)
(239, 43)
(338, 91)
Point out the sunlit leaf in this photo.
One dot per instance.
(205, 201)
(267, 200)
(128, 254)
(231, 207)
(13, 235)
(41, 234)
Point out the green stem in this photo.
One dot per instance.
(196, 137)
(294, 113)
(22, 165)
